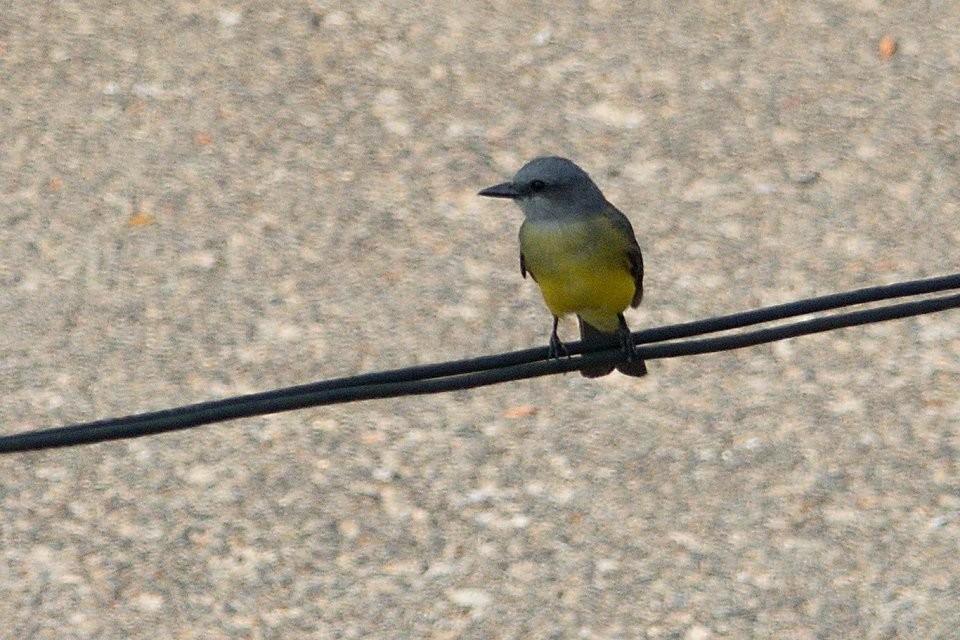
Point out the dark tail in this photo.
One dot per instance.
(593, 336)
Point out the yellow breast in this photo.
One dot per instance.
(581, 266)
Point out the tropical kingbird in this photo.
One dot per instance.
(581, 251)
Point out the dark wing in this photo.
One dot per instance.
(523, 269)
(634, 256)
(636, 270)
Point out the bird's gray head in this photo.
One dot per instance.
(550, 188)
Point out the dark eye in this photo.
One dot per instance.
(537, 185)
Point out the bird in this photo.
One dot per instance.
(583, 254)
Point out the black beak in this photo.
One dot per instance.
(502, 190)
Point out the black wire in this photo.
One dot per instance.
(517, 365)
(802, 307)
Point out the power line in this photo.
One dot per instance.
(661, 342)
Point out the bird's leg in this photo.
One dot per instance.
(626, 340)
(557, 350)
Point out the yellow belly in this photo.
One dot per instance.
(582, 267)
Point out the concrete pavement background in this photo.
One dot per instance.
(201, 199)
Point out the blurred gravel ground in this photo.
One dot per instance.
(200, 199)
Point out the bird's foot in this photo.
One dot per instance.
(557, 349)
(626, 340)
(634, 366)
